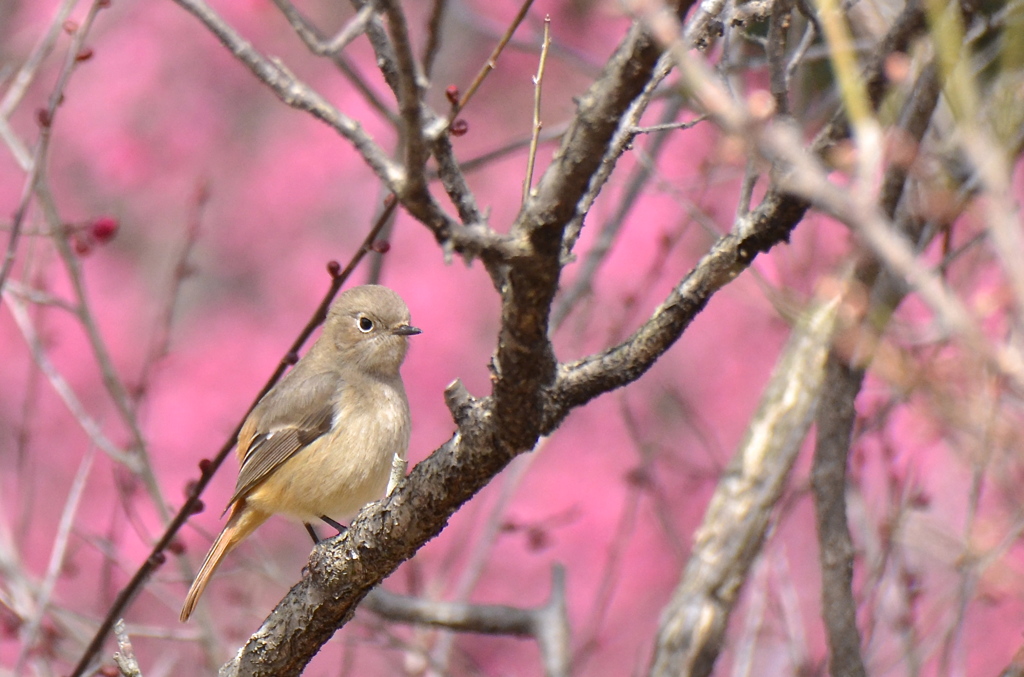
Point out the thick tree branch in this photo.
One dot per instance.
(770, 224)
(525, 363)
(579, 382)
(693, 623)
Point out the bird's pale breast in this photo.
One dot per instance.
(349, 466)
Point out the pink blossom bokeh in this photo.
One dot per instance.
(162, 128)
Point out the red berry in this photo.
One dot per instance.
(84, 55)
(459, 127)
(452, 93)
(381, 246)
(44, 118)
(104, 228)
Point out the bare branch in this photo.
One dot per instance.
(547, 624)
(433, 45)
(91, 427)
(316, 43)
(24, 77)
(609, 231)
(45, 119)
(730, 537)
(525, 359)
(127, 664)
(491, 62)
(835, 419)
(410, 92)
(297, 94)
(57, 560)
(836, 415)
(538, 82)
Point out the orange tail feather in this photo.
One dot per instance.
(243, 521)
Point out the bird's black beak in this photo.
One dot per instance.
(406, 330)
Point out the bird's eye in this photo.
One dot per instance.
(365, 325)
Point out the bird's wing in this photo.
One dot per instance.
(282, 426)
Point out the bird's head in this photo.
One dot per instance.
(369, 326)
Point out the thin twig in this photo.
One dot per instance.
(26, 74)
(899, 254)
(161, 336)
(45, 119)
(757, 601)
(355, 27)
(296, 93)
(835, 419)
(491, 62)
(547, 624)
(837, 413)
(354, 76)
(56, 563)
(27, 191)
(751, 173)
(538, 82)
(112, 382)
(806, 178)
(319, 44)
(670, 126)
(453, 178)
(551, 133)
(91, 427)
(433, 45)
(622, 533)
(610, 229)
(474, 239)
(38, 297)
(778, 37)
(803, 48)
(383, 50)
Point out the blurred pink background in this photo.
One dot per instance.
(162, 113)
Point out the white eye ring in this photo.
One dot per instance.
(365, 324)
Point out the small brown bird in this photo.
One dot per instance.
(320, 444)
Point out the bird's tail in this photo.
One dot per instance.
(243, 521)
